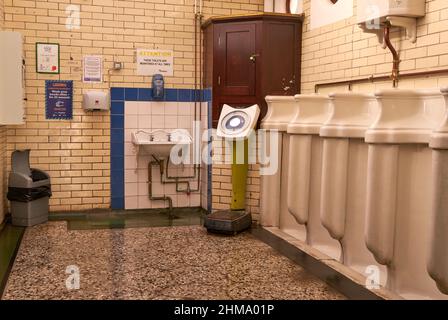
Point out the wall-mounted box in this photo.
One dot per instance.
(374, 14)
(96, 101)
(11, 78)
(374, 9)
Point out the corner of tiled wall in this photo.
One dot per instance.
(134, 109)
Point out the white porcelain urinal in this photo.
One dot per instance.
(399, 189)
(438, 248)
(274, 209)
(344, 177)
(305, 168)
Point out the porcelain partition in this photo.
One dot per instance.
(370, 172)
(305, 170)
(399, 188)
(438, 249)
(274, 208)
(344, 176)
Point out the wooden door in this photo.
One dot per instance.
(281, 52)
(236, 70)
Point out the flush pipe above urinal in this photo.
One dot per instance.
(396, 59)
(384, 39)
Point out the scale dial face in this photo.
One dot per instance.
(235, 122)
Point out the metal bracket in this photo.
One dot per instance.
(409, 24)
(377, 31)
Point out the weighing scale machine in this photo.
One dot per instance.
(235, 126)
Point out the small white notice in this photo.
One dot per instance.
(93, 69)
(151, 62)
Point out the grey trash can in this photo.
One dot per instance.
(29, 191)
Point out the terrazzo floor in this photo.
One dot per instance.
(156, 263)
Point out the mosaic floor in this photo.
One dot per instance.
(155, 263)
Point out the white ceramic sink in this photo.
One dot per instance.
(160, 142)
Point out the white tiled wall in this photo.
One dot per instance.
(149, 116)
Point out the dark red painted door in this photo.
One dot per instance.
(236, 62)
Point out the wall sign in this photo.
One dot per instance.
(59, 99)
(47, 58)
(151, 62)
(93, 69)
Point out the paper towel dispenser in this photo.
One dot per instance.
(96, 101)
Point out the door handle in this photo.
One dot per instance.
(253, 57)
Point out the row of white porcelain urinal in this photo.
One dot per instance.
(364, 180)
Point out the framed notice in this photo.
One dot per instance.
(151, 62)
(92, 69)
(47, 58)
(59, 99)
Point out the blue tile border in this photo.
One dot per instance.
(117, 107)
(185, 95)
(131, 94)
(116, 136)
(117, 121)
(117, 94)
(118, 97)
(117, 203)
(145, 95)
(171, 95)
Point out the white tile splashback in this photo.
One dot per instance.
(150, 116)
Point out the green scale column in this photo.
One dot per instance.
(239, 176)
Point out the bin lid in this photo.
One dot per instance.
(20, 162)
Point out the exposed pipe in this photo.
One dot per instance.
(177, 180)
(373, 79)
(197, 25)
(196, 173)
(151, 196)
(396, 58)
(395, 76)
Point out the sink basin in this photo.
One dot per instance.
(160, 143)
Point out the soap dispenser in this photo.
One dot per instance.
(158, 87)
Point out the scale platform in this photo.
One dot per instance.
(228, 221)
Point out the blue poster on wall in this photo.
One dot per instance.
(59, 99)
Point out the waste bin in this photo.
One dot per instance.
(28, 190)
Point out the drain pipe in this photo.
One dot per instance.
(177, 179)
(197, 27)
(151, 196)
(396, 58)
